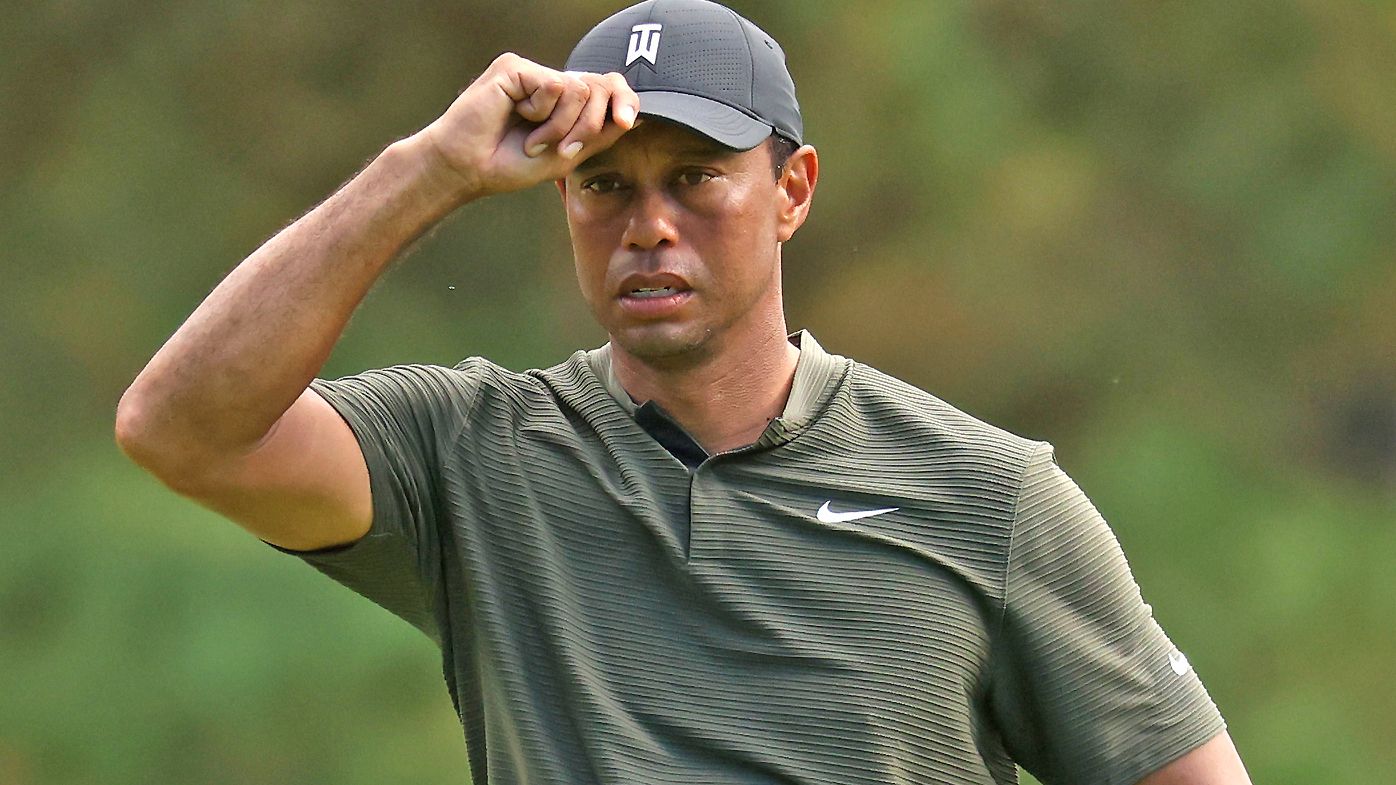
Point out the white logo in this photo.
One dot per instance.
(826, 515)
(1179, 662)
(644, 42)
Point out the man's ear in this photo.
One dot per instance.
(796, 190)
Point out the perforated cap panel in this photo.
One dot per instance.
(700, 49)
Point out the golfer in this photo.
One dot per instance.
(708, 551)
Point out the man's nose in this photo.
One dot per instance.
(652, 221)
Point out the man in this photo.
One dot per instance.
(704, 552)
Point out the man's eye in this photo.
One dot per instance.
(601, 185)
(694, 178)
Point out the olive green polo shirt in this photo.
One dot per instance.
(881, 589)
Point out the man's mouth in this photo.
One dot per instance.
(643, 286)
(653, 296)
(644, 292)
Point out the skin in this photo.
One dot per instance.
(223, 415)
(1214, 763)
(665, 206)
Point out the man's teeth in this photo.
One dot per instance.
(663, 291)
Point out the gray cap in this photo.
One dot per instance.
(698, 64)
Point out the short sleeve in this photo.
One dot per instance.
(405, 418)
(1085, 685)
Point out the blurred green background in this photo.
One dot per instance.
(1159, 235)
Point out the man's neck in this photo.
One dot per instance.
(726, 400)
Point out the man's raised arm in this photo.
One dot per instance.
(1214, 763)
(222, 412)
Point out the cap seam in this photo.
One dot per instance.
(750, 55)
(654, 67)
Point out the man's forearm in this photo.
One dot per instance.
(251, 348)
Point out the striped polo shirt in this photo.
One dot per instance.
(880, 589)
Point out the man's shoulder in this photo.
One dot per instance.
(535, 392)
(472, 383)
(954, 479)
(498, 379)
(904, 413)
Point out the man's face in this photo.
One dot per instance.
(676, 241)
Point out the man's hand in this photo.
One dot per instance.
(521, 123)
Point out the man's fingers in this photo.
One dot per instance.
(569, 108)
(520, 122)
(608, 136)
(624, 107)
(541, 102)
(611, 110)
(520, 77)
(534, 89)
(625, 104)
(589, 123)
(575, 93)
(576, 114)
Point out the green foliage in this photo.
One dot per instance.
(147, 639)
(1158, 235)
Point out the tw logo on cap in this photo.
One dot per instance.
(644, 42)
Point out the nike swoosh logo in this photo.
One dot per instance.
(826, 515)
(1179, 662)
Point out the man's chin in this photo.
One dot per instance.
(663, 345)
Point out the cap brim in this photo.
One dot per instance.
(717, 121)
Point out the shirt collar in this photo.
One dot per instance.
(812, 372)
